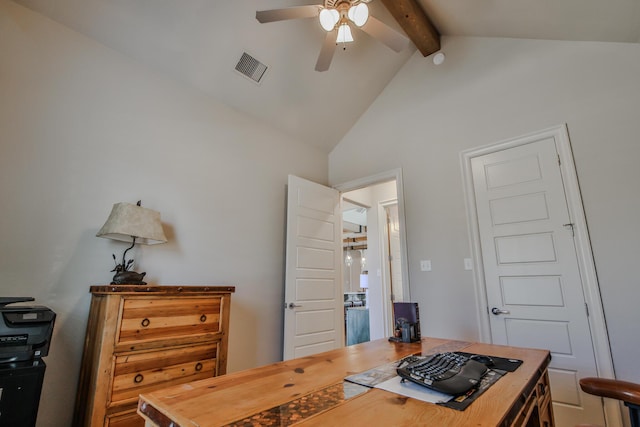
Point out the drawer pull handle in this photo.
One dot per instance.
(541, 389)
(138, 379)
(145, 322)
(198, 367)
(203, 318)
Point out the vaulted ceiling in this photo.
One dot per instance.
(199, 43)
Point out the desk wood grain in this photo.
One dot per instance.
(226, 399)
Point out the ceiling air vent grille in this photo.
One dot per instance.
(251, 67)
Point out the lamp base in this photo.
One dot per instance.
(128, 278)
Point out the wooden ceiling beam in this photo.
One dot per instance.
(415, 22)
(355, 239)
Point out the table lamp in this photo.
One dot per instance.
(364, 280)
(364, 284)
(135, 224)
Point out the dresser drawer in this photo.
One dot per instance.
(125, 419)
(150, 322)
(146, 371)
(542, 389)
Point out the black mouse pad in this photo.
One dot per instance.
(500, 363)
(499, 368)
(462, 401)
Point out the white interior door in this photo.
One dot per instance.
(532, 277)
(313, 320)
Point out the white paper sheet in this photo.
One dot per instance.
(413, 390)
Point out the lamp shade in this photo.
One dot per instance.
(344, 34)
(329, 18)
(364, 280)
(359, 14)
(127, 221)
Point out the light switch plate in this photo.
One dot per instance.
(468, 265)
(425, 265)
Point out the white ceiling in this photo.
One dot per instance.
(199, 42)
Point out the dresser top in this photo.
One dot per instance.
(160, 289)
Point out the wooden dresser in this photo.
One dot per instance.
(143, 338)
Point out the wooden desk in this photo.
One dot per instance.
(309, 391)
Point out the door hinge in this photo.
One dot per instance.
(586, 307)
(559, 162)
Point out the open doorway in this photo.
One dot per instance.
(374, 259)
(355, 274)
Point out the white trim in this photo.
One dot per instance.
(482, 303)
(591, 289)
(383, 236)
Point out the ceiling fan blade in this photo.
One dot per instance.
(326, 53)
(309, 11)
(387, 35)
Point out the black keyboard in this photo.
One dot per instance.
(448, 373)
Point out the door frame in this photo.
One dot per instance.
(586, 265)
(383, 237)
(379, 178)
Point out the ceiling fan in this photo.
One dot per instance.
(337, 18)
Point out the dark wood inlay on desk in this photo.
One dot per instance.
(297, 410)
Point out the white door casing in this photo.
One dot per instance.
(531, 272)
(530, 269)
(313, 290)
(395, 253)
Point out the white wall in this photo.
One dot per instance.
(83, 127)
(489, 90)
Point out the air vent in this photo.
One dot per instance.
(250, 67)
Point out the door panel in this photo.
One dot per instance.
(314, 258)
(316, 229)
(313, 294)
(314, 289)
(525, 248)
(567, 389)
(514, 209)
(551, 335)
(532, 291)
(531, 270)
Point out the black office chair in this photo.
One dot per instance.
(625, 391)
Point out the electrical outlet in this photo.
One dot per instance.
(468, 265)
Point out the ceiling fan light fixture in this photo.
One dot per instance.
(329, 18)
(359, 14)
(344, 34)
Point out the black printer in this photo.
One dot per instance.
(25, 336)
(25, 331)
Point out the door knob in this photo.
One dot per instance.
(292, 305)
(496, 311)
